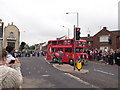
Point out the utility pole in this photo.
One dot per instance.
(74, 47)
(75, 35)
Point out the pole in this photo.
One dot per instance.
(77, 20)
(74, 47)
(68, 33)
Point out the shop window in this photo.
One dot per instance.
(12, 44)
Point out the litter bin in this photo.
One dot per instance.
(79, 64)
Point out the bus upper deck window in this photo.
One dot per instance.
(54, 42)
(60, 42)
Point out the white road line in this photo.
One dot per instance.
(47, 61)
(80, 80)
(45, 75)
(104, 72)
(29, 72)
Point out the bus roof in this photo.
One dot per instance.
(66, 39)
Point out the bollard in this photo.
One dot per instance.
(79, 64)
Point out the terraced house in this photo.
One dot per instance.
(104, 39)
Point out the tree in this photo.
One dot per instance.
(22, 45)
(32, 47)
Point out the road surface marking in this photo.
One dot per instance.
(45, 75)
(104, 72)
(29, 72)
(80, 80)
(47, 61)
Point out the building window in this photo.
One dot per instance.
(11, 34)
(104, 38)
(89, 43)
(104, 47)
(12, 44)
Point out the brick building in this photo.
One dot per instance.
(101, 39)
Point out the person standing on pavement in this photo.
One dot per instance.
(38, 53)
(110, 57)
(96, 54)
(9, 77)
(117, 57)
(60, 52)
(104, 56)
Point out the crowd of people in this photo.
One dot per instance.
(10, 72)
(29, 53)
(107, 56)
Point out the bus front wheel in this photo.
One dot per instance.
(53, 60)
(71, 62)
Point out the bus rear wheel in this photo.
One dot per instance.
(71, 62)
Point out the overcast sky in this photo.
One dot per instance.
(43, 20)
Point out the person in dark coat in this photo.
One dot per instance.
(117, 57)
(110, 57)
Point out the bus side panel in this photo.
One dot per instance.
(48, 57)
(67, 57)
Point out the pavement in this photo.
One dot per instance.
(68, 68)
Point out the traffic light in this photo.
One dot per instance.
(77, 33)
(1, 29)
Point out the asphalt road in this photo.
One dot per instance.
(101, 75)
(38, 73)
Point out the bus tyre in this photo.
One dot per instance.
(71, 62)
(53, 60)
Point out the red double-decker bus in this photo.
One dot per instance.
(67, 47)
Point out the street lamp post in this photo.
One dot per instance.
(77, 18)
(68, 32)
(74, 35)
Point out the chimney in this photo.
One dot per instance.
(88, 35)
(12, 23)
(105, 28)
